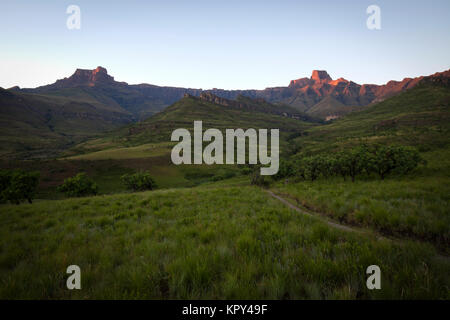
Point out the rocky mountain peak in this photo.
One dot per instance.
(320, 76)
(86, 77)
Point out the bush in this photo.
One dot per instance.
(139, 181)
(79, 186)
(354, 162)
(5, 181)
(258, 179)
(391, 159)
(17, 185)
(223, 174)
(286, 169)
(381, 160)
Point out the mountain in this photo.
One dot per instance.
(38, 125)
(215, 112)
(418, 117)
(42, 121)
(304, 94)
(141, 100)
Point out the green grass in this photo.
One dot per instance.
(416, 205)
(141, 151)
(203, 243)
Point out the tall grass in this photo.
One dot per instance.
(202, 243)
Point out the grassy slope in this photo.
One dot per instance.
(221, 241)
(419, 117)
(36, 125)
(416, 205)
(212, 242)
(183, 113)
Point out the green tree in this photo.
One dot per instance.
(390, 159)
(18, 185)
(354, 161)
(79, 186)
(139, 181)
(286, 169)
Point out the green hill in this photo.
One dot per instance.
(38, 125)
(414, 205)
(201, 243)
(182, 114)
(418, 117)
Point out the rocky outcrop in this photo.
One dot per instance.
(84, 77)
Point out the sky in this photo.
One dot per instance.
(222, 44)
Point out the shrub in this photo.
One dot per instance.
(223, 174)
(286, 169)
(18, 185)
(381, 160)
(389, 159)
(139, 181)
(354, 162)
(5, 180)
(246, 171)
(79, 186)
(258, 179)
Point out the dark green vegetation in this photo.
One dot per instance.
(79, 186)
(17, 185)
(221, 237)
(201, 243)
(139, 181)
(368, 160)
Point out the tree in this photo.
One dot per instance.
(79, 186)
(389, 159)
(139, 181)
(355, 161)
(18, 185)
(286, 169)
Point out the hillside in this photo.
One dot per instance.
(214, 242)
(40, 126)
(221, 114)
(418, 117)
(415, 205)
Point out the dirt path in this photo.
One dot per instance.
(303, 211)
(344, 227)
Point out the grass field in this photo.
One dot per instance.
(416, 206)
(142, 151)
(207, 233)
(206, 242)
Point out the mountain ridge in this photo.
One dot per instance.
(304, 94)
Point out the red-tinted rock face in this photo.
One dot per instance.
(311, 90)
(320, 76)
(85, 77)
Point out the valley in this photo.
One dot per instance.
(211, 231)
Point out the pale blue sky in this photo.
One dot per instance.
(224, 44)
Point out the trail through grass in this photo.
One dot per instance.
(205, 242)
